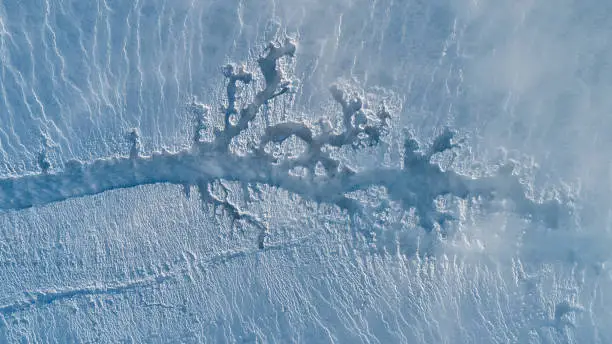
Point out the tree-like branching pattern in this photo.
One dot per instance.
(414, 186)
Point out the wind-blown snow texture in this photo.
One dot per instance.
(305, 171)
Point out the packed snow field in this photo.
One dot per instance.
(305, 171)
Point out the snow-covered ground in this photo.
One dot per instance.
(414, 172)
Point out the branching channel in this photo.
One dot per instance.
(414, 186)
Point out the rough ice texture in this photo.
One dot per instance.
(209, 243)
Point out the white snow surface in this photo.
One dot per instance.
(130, 213)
